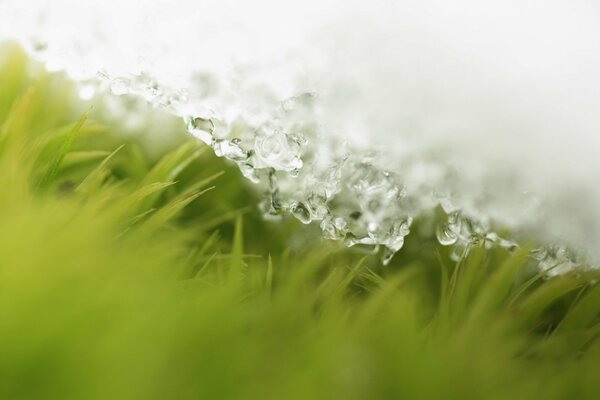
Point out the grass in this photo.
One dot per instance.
(127, 274)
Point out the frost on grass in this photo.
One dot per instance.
(365, 119)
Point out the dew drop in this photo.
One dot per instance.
(277, 150)
(334, 228)
(387, 255)
(317, 205)
(300, 211)
(200, 128)
(445, 235)
(249, 172)
(229, 149)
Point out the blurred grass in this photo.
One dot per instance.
(130, 275)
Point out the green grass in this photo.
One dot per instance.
(130, 274)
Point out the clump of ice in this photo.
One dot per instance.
(362, 116)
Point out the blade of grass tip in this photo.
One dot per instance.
(13, 75)
(76, 158)
(466, 281)
(187, 263)
(94, 179)
(200, 253)
(133, 202)
(530, 282)
(171, 209)
(369, 280)
(137, 166)
(327, 289)
(534, 304)
(269, 277)
(65, 148)
(208, 243)
(455, 274)
(228, 216)
(135, 219)
(444, 281)
(202, 183)
(236, 263)
(17, 118)
(497, 288)
(244, 256)
(46, 145)
(300, 271)
(381, 296)
(350, 276)
(203, 267)
(583, 312)
(170, 166)
(172, 163)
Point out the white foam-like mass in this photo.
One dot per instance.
(362, 116)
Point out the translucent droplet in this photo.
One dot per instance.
(387, 255)
(277, 150)
(334, 228)
(249, 172)
(539, 253)
(459, 251)
(445, 235)
(317, 205)
(201, 128)
(350, 239)
(229, 149)
(300, 211)
(270, 209)
(331, 182)
(204, 124)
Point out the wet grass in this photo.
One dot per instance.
(125, 274)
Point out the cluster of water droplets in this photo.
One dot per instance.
(348, 192)
(283, 115)
(351, 199)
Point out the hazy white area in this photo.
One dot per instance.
(493, 104)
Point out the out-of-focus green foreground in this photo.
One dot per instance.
(129, 276)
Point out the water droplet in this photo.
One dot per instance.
(459, 251)
(204, 124)
(317, 205)
(200, 128)
(387, 255)
(334, 228)
(300, 211)
(249, 172)
(229, 149)
(445, 235)
(350, 239)
(277, 150)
